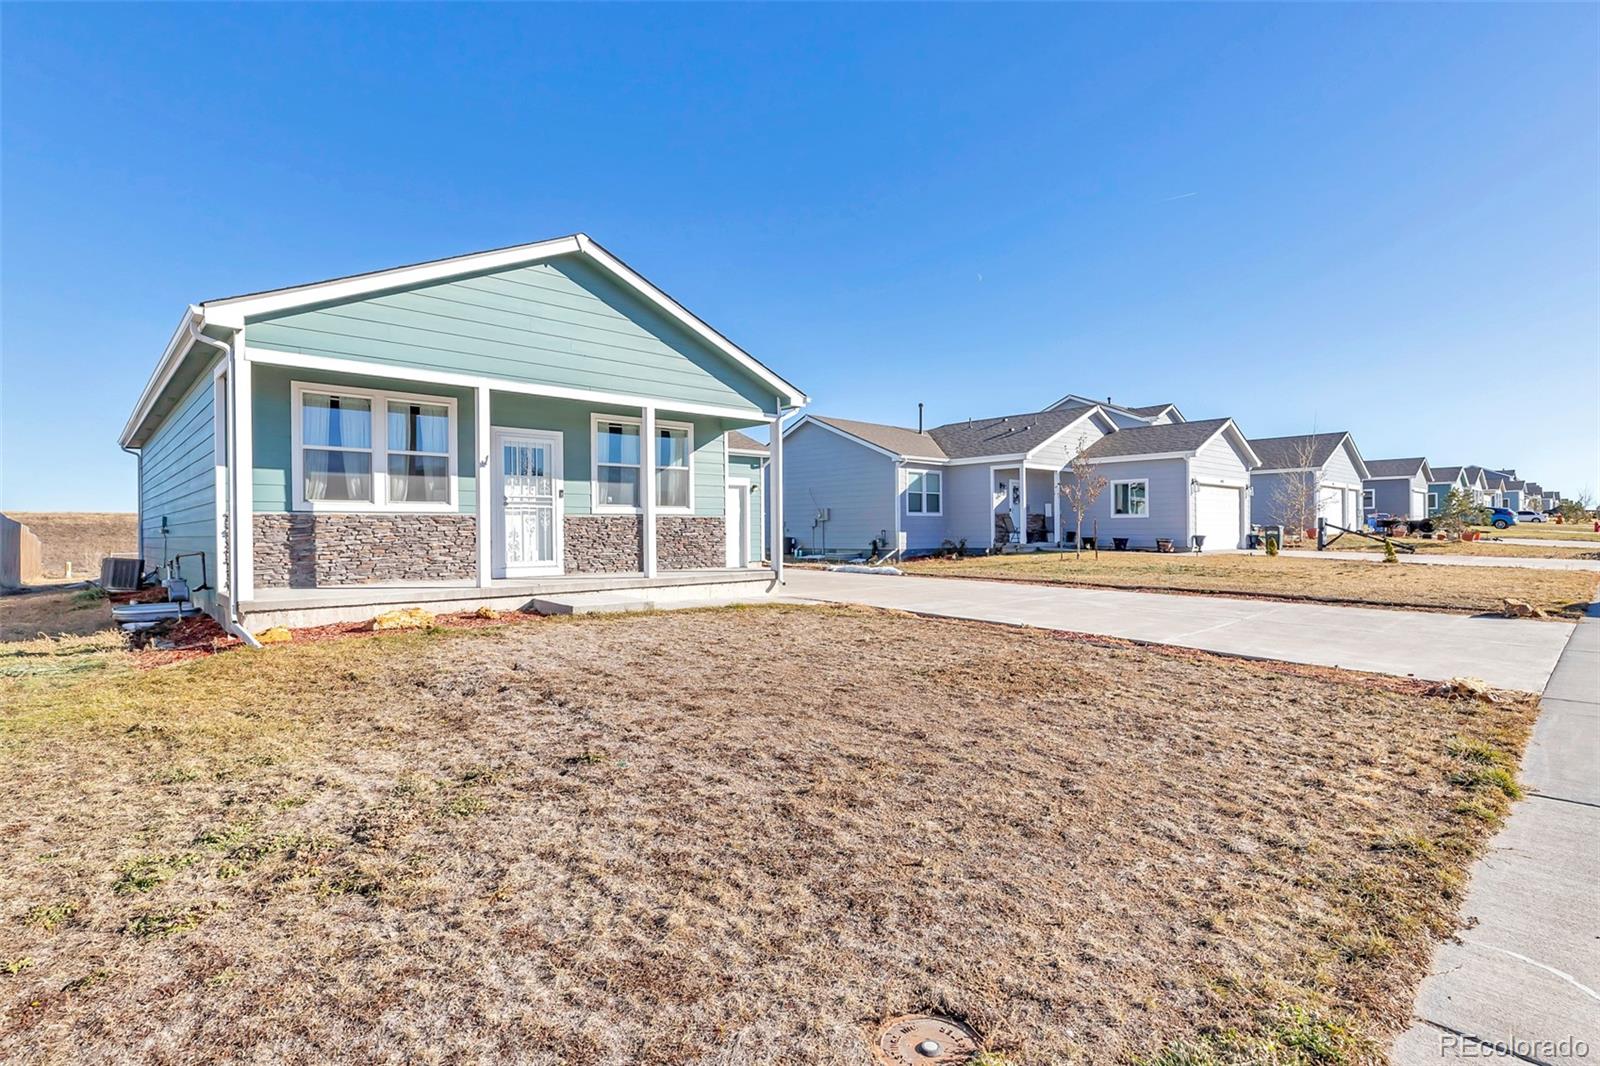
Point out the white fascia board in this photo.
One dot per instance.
(1017, 458)
(1139, 458)
(234, 311)
(332, 364)
(1090, 413)
(1393, 477)
(1355, 453)
(177, 347)
(1427, 471)
(747, 451)
(1252, 460)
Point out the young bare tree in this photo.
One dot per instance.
(1294, 500)
(1083, 485)
(1458, 513)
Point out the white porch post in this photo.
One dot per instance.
(1055, 501)
(775, 450)
(647, 488)
(484, 486)
(1022, 508)
(241, 521)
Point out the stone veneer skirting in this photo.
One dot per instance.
(691, 542)
(309, 550)
(602, 544)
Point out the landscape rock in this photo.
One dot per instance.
(275, 635)
(410, 618)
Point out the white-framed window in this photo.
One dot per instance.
(924, 492)
(1369, 499)
(1130, 499)
(370, 450)
(618, 462)
(1433, 501)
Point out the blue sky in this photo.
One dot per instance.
(1377, 218)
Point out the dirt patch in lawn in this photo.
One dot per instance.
(82, 538)
(737, 836)
(1461, 589)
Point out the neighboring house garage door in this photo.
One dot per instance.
(1216, 515)
(1330, 505)
(1419, 505)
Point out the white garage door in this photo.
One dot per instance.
(1330, 505)
(1217, 516)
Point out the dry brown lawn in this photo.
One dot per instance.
(1468, 589)
(1544, 531)
(82, 538)
(737, 836)
(1486, 548)
(76, 612)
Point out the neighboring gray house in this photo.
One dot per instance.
(1446, 479)
(1397, 487)
(1326, 466)
(849, 483)
(1478, 484)
(1156, 414)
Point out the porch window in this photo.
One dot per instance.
(419, 452)
(672, 467)
(924, 492)
(336, 448)
(348, 458)
(1130, 499)
(617, 465)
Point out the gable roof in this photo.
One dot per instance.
(1476, 475)
(1393, 468)
(1072, 399)
(739, 443)
(1289, 453)
(1175, 437)
(229, 313)
(1442, 474)
(1006, 435)
(896, 440)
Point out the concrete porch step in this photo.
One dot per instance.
(623, 601)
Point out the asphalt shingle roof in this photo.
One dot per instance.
(1155, 440)
(891, 438)
(741, 443)
(1006, 435)
(1288, 453)
(1152, 410)
(1395, 467)
(1446, 473)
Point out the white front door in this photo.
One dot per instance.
(527, 502)
(737, 523)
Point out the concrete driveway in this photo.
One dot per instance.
(1505, 652)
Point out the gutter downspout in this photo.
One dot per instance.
(138, 455)
(231, 621)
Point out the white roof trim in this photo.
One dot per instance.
(808, 420)
(1091, 412)
(230, 313)
(177, 347)
(1241, 442)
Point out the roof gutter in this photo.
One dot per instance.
(230, 352)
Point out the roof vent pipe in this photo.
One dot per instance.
(919, 416)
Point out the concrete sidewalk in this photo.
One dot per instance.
(1505, 652)
(1512, 561)
(1547, 542)
(1522, 981)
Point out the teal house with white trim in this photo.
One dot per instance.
(483, 429)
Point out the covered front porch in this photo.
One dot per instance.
(1027, 507)
(376, 491)
(559, 594)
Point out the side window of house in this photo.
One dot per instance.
(924, 492)
(1130, 499)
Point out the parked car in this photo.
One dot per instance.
(1502, 517)
(1530, 516)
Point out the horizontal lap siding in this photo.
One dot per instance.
(559, 323)
(1219, 460)
(1340, 469)
(749, 466)
(178, 482)
(856, 484)
(1168, 502)
(923, 531)
(273, 427)
(969, 507)
(1060, 452)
